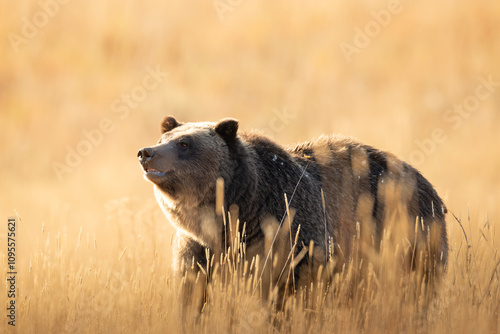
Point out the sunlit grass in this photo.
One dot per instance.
(67, 287)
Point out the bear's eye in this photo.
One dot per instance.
(183, 144)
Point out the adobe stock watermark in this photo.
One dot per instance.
(223, 7)
(363, 36)
(120, 109)
(454, 118)
(31, 26)
(279, 121)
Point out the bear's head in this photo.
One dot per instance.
(189, 157)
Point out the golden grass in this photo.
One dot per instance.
(71, 288)
(94, 250)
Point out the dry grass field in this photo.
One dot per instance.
(84, 85)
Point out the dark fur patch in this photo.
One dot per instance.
(378, 166)
(429, 204)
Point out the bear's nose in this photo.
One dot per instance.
(145, 154)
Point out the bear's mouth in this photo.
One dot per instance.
(155, 172)
(154, 175)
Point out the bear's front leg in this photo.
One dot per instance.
(190, 281)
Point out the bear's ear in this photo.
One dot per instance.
(169, 123)
(227, 128)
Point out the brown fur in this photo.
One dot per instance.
(339, 193)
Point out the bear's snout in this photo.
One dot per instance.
(145, 155)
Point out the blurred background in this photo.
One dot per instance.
(84, 85)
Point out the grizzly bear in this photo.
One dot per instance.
(328, 194)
